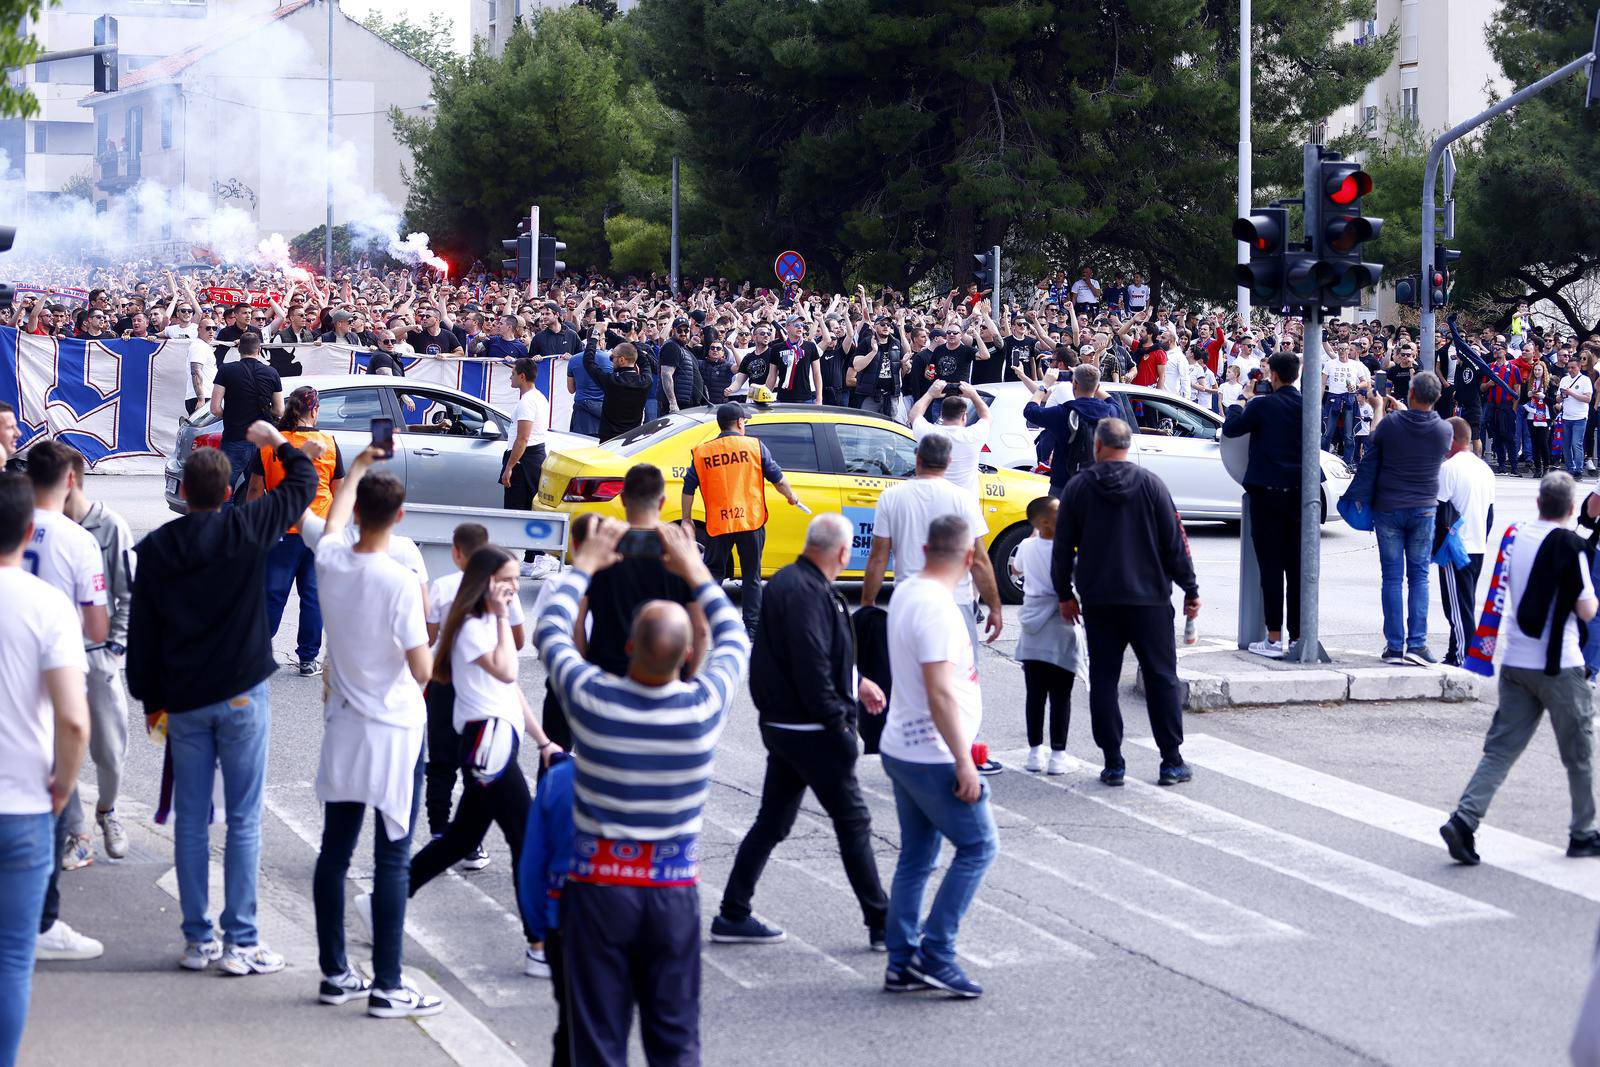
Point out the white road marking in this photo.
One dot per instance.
(1534, 860)
(1385, 891)
(711, 896)
(1148, 893)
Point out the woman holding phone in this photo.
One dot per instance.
(477, 654)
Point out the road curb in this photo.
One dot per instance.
(1234, 679)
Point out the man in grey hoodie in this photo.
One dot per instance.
(108, 701)
(1408, 447)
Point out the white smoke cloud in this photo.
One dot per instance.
(264, 147)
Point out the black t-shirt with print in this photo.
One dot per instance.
(247, 388)
(755, 366)
(425, 344)
(794, 370)
(953, 364)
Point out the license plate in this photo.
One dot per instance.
(172, 485)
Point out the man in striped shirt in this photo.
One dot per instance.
(643, 747)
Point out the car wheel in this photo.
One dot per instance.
(1003, 554)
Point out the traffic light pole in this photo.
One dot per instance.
(1309, 647)
(994, 291)
(533, 230)
(1430, 180)
(674, 264)
(1246, 193)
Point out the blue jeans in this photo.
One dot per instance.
(1572, 445)
(27, 852)
(238, 453)
(391, 884)
(291, 562)
(925, 800)
(1405, 541)
(1333, 405)
(585, 417)
(1524, 437)
(233, 732)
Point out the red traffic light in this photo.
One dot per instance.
(1349, 186)
(1263, 230)
(1436, 279)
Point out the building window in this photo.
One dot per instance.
(494, 10)
(1369, 119)
(133, 131)
(38, 137)
(102, 133)
(41, 73)
(166, 124)
(1319, 132)
(1408, 106)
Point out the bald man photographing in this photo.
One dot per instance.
(642, 769)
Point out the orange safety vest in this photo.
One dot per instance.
(731, 481)
(272, 470)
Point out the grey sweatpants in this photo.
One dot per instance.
(108, 736)
(1525, 694)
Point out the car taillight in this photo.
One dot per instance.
(592, 490)
(208, 440)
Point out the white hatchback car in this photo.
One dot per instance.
(1177, 440)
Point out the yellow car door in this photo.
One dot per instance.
(871, 458)
(795, 447)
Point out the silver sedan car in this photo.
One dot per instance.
(449, 447)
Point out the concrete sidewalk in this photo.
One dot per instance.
(135, 1005)
(1217, 676)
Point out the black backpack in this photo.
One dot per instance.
(1077, 451)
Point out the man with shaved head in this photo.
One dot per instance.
(804, 680)
(643, 746)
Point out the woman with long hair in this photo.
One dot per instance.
(291, 561)
(477, 655)
(1537, 411)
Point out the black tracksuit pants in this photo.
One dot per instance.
(1275, 522)
(1111, 629)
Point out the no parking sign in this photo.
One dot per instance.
(790, 267)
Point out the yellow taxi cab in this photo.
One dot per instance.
(837, 459)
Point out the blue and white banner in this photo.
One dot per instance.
(119, 401)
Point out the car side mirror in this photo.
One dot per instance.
(491, 429)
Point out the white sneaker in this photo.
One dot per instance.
(1035, 762)
(79, 852)
(534, 964)
(250, 959)
(526, 570)
(402, 1003)
(1058, 763)
(546, 566)
(116, 837)
(364, 912)
(476, 860)
(1268, 648)
(198, 955)
(62, 942)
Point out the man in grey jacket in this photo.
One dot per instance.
(108, 701)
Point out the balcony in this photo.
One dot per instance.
(117, 170)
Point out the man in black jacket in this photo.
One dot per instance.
(199, 649)
(1126, 558)
(803, 679)
(1272, 484)
(625, 386)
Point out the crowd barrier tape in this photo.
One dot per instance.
(119, 402)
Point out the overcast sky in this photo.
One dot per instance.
(417, 11)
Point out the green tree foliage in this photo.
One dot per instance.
(637, 245)
(552, 120)
(17, 49)
(1529, 216)
(889, 139)
(430, 44)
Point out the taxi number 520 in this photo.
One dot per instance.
(993, 489)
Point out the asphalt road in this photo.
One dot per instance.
(1291, 905)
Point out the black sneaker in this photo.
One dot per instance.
(1587, 845)
(876, 940)
(902, 981)
(751, 931)
(990, 767)
(1393, 655)
(310, 668)
(402, 1003)
(1421, 656)
(343, 988)
(1175, 774)
(1113, 775)
(1458, 839)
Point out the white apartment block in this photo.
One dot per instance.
(492, 20)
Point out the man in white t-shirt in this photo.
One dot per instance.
(1576, 393)
(904, 514)
(1086, 294)
(44, 731)
(1547, 578)
(1466, 483)
(524, 463)
(966, 442)
(373, 727)
(1138, 294)
(935, 710)
(1342, 378)
(66, 556)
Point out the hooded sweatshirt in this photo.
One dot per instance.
(1119, 536)
(1410, 447)
(199, 633)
